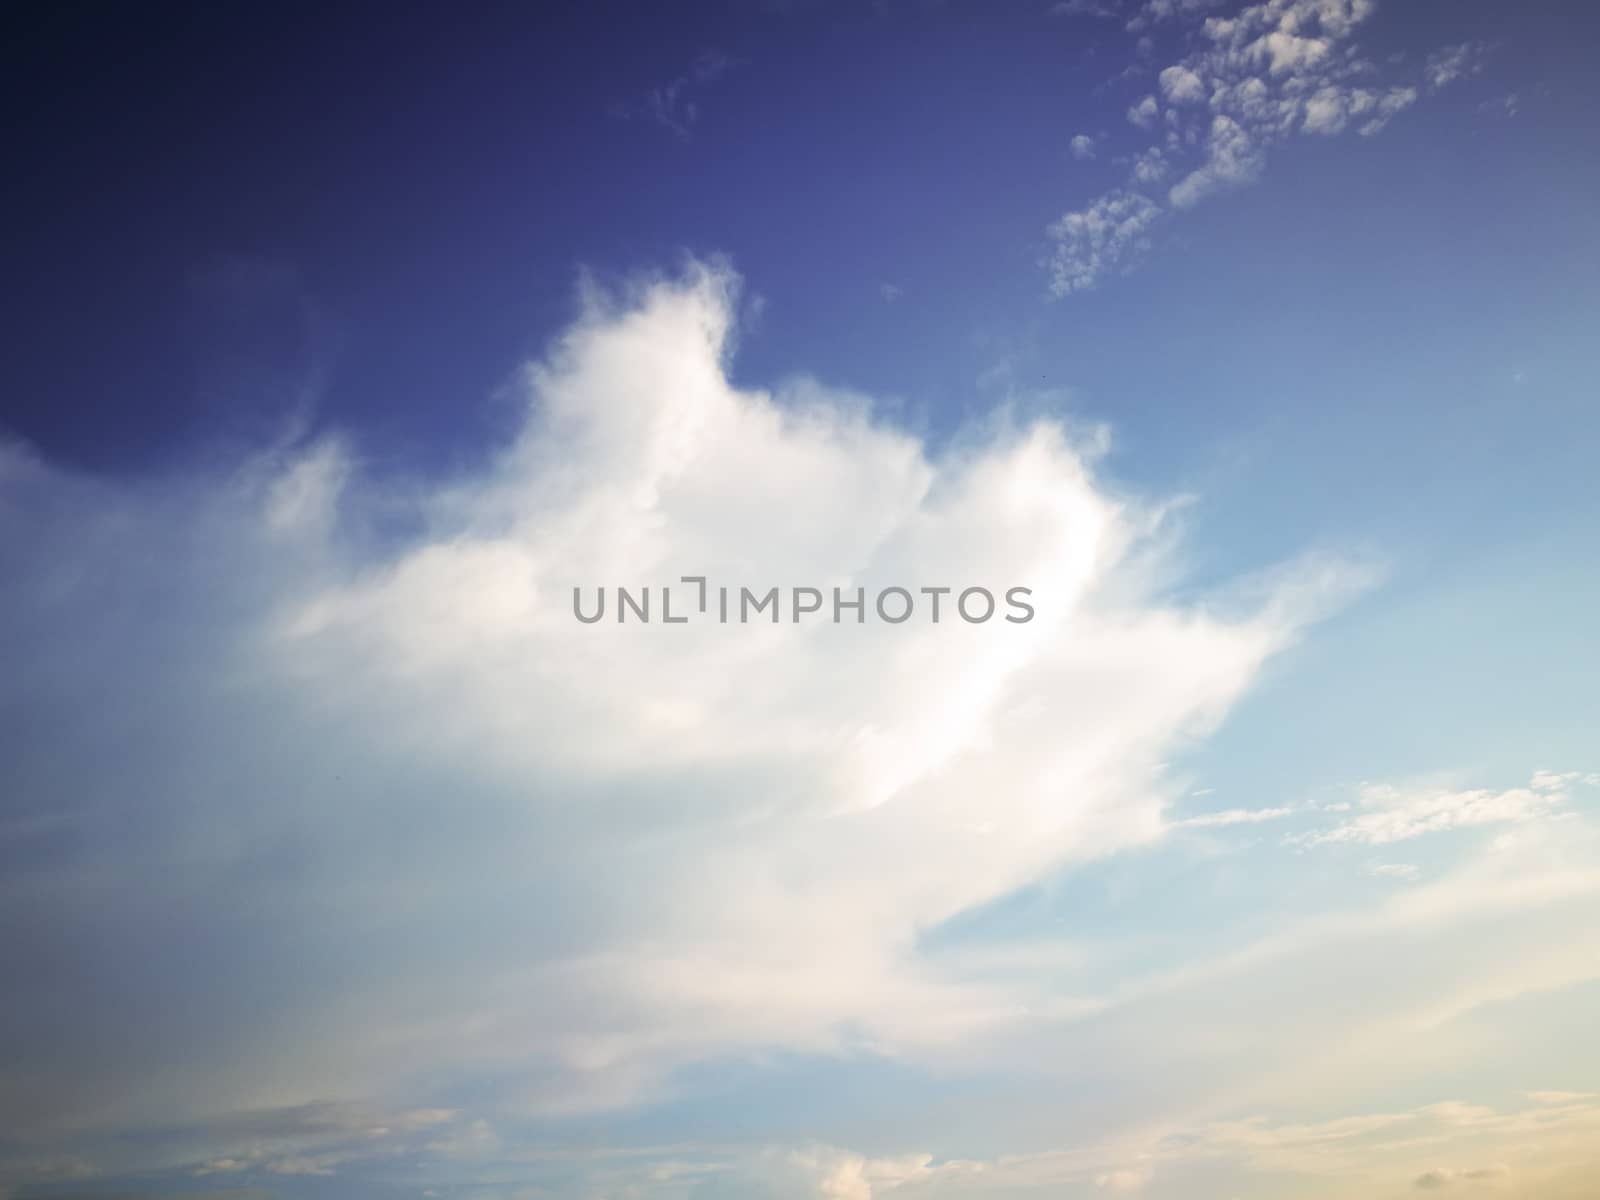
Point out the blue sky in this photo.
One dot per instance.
(1256, 339)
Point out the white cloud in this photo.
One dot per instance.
(1083, 8)
(1406, 871)
(1096, 240)
(1331, 109)
(1122, 1181)
(457, 838)
(1255, 78)
(1233, 157)
(1160, 11)
(1384, 1147)
(1386, 106)
(841, 1175)
(1558, 781)
(1180, 85)
(1286, 53)
(1150, 167)
(1441, 1177)
(1396, 814)
(464, 830)
(1558, 1098)
(1236, 816)
(1506, 106)
(1082, 146)
(1451, 63)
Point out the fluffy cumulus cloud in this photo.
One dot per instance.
(329, 797)
(1180, 85)
(1095, 239)
(1144, 113)
(1252, 80)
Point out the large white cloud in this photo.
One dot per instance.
(329, 797)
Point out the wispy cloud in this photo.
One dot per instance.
(1388, 813)
(1406, 871)
(1236, 816)
(1451, 63)
(675, 105)
(392, 781)
(1084, 8)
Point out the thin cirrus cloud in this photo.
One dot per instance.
(383, 784)
(676, 104)
(1390, 813)
(1271, 72)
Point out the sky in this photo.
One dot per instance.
(348, 348)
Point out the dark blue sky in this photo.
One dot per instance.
(383, 212)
